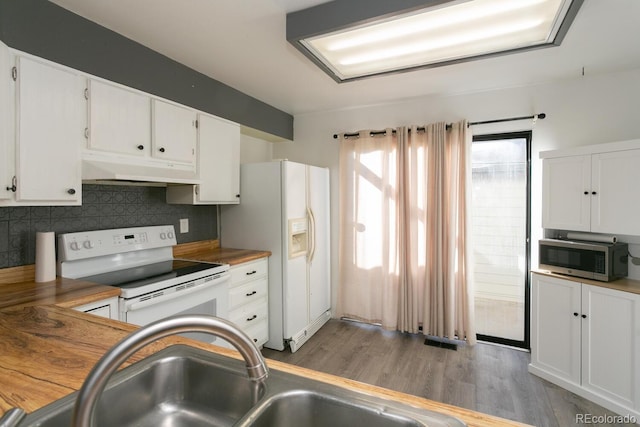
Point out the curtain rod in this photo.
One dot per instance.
(448, 126)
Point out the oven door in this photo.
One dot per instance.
(209, 298)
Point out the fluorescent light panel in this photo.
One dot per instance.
(438, 35)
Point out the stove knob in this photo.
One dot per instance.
(170, 235)
(163, 235)
(74, 246)
(87, 244)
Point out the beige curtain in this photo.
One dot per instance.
(413, 218)
(368, 247)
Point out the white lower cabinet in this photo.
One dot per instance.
(107, 307)
(586, 339)
(248, 299)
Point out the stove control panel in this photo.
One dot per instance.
(89, 244)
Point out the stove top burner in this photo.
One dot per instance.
(135, 277)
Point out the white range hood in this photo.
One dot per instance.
(113, 170)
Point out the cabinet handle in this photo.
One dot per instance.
(161, 149)
(251, 272)
(255, 316)
(238, 196)
(584, 316)
(252, 293)
(586, 193)
(71, 191)
(594, 193)
(255, 340)
(576, 314)
(140, 147)
(14, 184)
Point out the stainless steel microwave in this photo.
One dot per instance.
(591, 260)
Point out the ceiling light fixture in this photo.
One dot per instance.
(353, 39)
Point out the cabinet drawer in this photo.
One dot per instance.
(259, 333)
(250, 314)
(243, 272)
(247, 293)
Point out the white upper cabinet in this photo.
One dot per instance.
(218, 165)
(6, 115)
(593, 192)
(59, 126)
(119, 120)
(615, 206)
(124, 121)
(50, 126)
(566, 193)
(174, 132)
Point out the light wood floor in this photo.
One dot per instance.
(486, 378)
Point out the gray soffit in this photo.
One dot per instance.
(44, 29)
(342, 14)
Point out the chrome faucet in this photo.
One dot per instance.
(97, 379)
(12, 417)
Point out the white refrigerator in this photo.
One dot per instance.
(284, 208)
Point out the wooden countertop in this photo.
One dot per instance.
(61, 292)
(17, 285)
(47, 351)
(625, 284)
(210, 251)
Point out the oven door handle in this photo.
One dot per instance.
(205, 286)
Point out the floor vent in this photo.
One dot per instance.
(435, 343)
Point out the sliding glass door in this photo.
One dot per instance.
(501, 235)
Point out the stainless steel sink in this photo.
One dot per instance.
(185, 386)
(309, 408)
(178, 386)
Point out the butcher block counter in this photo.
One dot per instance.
(210, 251)
(47, 349)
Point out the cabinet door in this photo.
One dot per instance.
(50, 132)
(566, 198)
(615, 207)
(7, 159)
(611, 344)
(218, 161)
(104, 308)
(119, 120)
(555, 327)
(174, 132)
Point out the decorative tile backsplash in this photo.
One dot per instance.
(103, 207)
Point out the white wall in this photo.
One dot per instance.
(254, 150)
(586, 110)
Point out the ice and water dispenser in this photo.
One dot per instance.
(298, 237)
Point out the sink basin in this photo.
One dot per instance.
(307, 408)
(185, 386)
(176, 386)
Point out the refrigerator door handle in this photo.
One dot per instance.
(312, 235)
